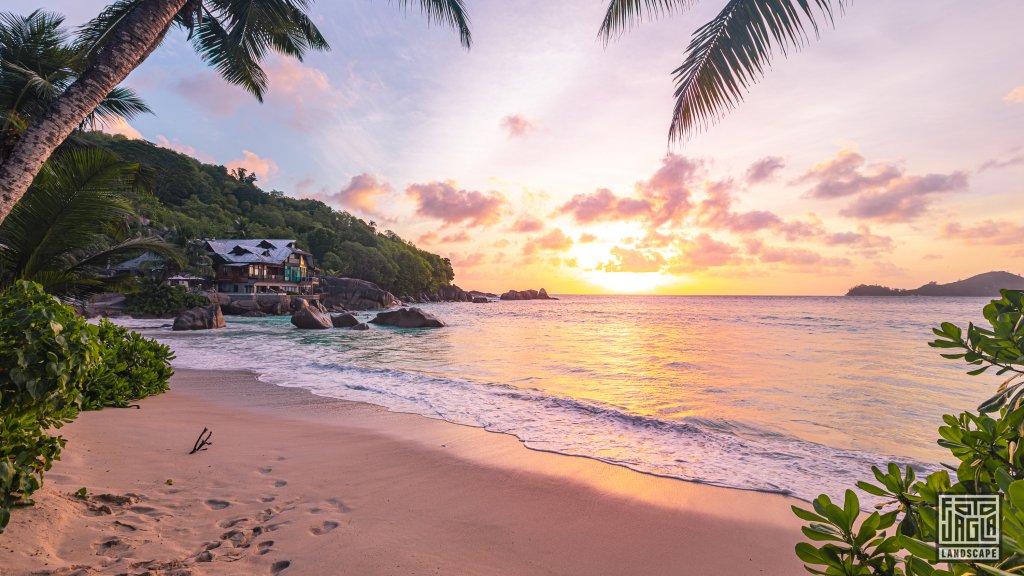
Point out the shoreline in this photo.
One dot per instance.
(339, 486)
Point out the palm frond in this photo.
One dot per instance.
(120, 103)
(451, 13)
(64, 212)
(235, 36)
(94, 34)
(729, 54)
(625, 14)
(130, 248)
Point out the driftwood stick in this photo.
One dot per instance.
(203, 441)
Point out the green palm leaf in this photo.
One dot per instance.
(728, 54)
(625, 14)
(449, 13)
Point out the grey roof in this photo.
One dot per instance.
(253, 250)
(137, 262)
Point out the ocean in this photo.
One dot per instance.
(795, 395)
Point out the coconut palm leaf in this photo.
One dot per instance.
(450, 13)
(625, 14)
(58, 231)
(728, 54)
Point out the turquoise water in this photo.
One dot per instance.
(792, 395)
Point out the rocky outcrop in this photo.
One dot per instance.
(104, 304)
(269, 304)
(360, 326)
(408, 318)
(344, 320)
(450, 293)
(309, 317)
(201, 318)
(541, 294)
(480, 300)
(355, 294)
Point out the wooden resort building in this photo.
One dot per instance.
(256, 266)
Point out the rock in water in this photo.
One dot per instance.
(201, 318)
(344, 320)
(541, 294)
(310, 318)
(480, 300)
(408, 318)
(360, 326)
(355, 294)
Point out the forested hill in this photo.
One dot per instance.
(194, 200)
(987, 285)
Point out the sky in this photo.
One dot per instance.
(889, 151)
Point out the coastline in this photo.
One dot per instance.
(342, 487)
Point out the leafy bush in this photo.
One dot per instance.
(47, 354)
(53, 364)
(156, 299)
(987, 446)
(132, 367)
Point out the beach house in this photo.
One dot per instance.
(255, 266)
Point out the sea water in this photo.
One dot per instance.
(796, 395)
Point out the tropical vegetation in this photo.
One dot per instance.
(899, 537)
(154, 298)
(53, 364)
(191, 200)
(74, 221)
(726, 55)
(233, 36)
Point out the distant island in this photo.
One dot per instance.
(985, 285)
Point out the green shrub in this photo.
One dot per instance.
(47, 353)
(157, 299)
(986, 446)
(132, 367)
(53, 364)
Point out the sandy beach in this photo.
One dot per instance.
(298, 484)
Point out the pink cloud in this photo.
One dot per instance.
(360, 194)
(668, 190)
(587, 238)
(209, 91)
(764, 169)
(629, 260)
(701, 253)
(527, 224)
(906, 199)
(793, 257)
(997, 163)
(1016, 96)
(555, 241)
(441, 200)
(863, 241)
(991, 232)
(264, 168)
(467, 260)
(845, 175)
(715, 212)
(461, 236)
(517, 125)
(185, 149)
(603, 204)
(120, 127)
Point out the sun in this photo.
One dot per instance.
(627, 282)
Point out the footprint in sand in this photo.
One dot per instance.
(325, 527)
(218, 504)
(279, 566)
(280, 483)
(264, 547)
(266, 470)
(268, 499)
(232, 522)
(111, 547)
(265, 514)
(341, 506)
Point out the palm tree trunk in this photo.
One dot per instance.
(129, 44)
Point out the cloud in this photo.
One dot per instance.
(996, 163)
(882, 191)
(180, 148)
(527, 224)
(207, 90)
(467, 260)
(1016, 96)
(906, 199)
(264, 168)
(629, 260)
(555, 241)
(668, 190)
(715, 212)
(428, 238)
(932, 256)
(305, 92)
(701, 253)
(587, 238)
(845, 175)
(441, 200)
(764, 169)
(603, 204)
(460, 236)
(120, 127)
(517, 125)
(793, 257)
(863, 241)
(990, 232)
(360, 194)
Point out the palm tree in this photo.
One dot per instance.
(728, 54)
(233, 36)
(37, 63)
(72, 222)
